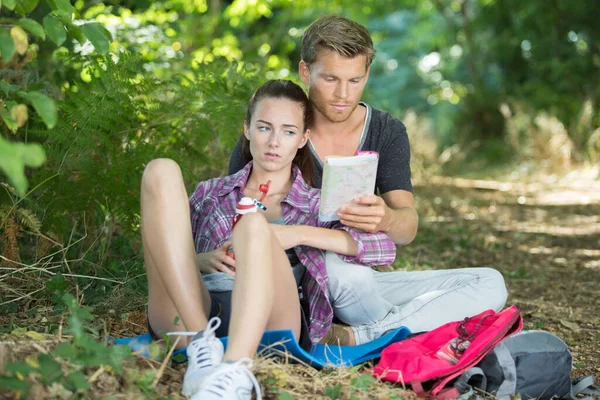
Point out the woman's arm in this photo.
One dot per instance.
(353, 246)
(216, 261)
(374, 248)
(338, 241)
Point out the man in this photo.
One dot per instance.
(336, 58)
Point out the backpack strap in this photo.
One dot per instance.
(583, 385)
(444, 394)
(473, 378)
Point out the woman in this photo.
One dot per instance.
(257, 291)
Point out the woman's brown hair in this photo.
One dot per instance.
(284, 89)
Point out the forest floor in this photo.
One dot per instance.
(545, 239)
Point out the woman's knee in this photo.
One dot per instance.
(159, 173)
(252, 226)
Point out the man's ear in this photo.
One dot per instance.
(246, 131)
(367, 74)
(304, 72)
(304, 139)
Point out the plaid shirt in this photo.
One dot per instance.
(212, 209)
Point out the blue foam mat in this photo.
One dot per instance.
(276, 343)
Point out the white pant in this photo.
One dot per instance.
(374, 303)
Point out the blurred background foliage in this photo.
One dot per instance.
(496, 87)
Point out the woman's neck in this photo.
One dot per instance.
(281, 181)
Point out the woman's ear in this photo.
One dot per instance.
(304, 138)
(246, 131)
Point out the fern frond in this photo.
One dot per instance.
(29, 220)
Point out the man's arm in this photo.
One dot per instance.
(393, 214)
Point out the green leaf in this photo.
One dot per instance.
(50, 369)
(333, 392)
(64, 6)
(118, 354)
(76, 32)
(98, 35)
(33, 27)
(65, 350)
(14, 384)
(55, 29)
(10, 4)
(9, 120)
(14, 157)
(362, 382)
(20, 367)
(26, 6)
(7, 46)
(78, 381)
(7, 88)
(45, 107)
(57, 284)
(63, 16)
(154, 351)
(285, 396)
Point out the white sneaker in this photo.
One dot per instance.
(204, 353)
(230, 381)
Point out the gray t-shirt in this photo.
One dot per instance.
(381, 133)
(222, 282)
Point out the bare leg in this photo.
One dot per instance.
(175, 288)
(265, 295)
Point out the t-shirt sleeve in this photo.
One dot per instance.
(393, 172)
(236, 161)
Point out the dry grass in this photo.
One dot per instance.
(543, 238)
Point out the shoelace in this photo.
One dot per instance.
(201, 356)
(227, 374)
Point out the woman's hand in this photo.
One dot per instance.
(289, 236)
(216, 261)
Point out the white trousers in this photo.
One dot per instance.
(374, 303)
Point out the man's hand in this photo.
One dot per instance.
(369, 213)
(216, 261)
(289, 236)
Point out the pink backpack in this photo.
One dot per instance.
(428, 362)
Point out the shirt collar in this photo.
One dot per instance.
(298, 196)
(237, 180)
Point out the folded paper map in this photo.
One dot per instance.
(344, 179)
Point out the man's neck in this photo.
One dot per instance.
(325, 129)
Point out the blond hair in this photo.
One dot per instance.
(344, 36)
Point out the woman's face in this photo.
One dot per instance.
(276, 132)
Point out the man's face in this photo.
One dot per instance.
(335, 83)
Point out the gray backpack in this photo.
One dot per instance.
(533, 364)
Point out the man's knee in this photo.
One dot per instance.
(345, 276)
(159, 173)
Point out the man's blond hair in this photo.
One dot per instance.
(344, 36)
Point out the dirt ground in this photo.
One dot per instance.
(544, 239)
